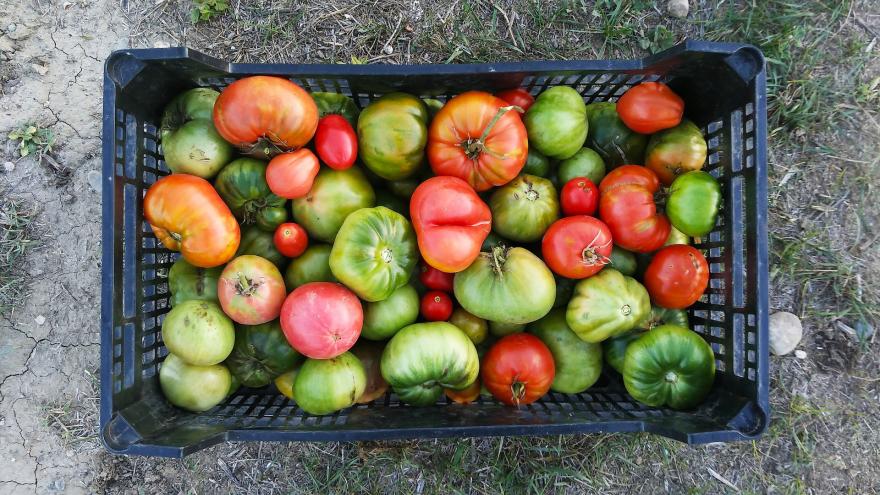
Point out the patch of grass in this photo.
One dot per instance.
(33, 140)
(17, 237)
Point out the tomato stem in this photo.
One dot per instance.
(499, 256)
(473, 147)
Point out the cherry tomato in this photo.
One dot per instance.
(518, 97)
(465, 395)
(291, 175)
(336, 142)
(650, 107)
(677, 276)
(291, 240)
(518, 369)
(579, 196)
(577, 247)
(436, 306)
(434, 279)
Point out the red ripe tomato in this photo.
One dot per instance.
(626, 204)
(434, 279)
(478, 138)
(251, 290)
(291, 240)
(518, 369)
(451, 223)
(291, 175)
(465, 395)
(322, 320)
(650, 107)
(517, 96)
(577, 247)
(336, 142)
(265, 115)
(579, 196)
(677, 276)
(436, 306)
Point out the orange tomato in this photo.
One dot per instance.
(650, 107)
(626, 205)
(465, 395)
(291, 175)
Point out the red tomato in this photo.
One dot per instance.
(577, 247)
(322, 320)
(465, 395)
(677, 276)
(650, 107)
(518, 369)
(188, 215)
(251, 290)
(478, 138)
(434, 279)
(626, 204)
(265, 115)
(579, 196)
(291, 240)
(451, 222)
(517, 96)
(336, 142)
(291, 175)
(436, 306)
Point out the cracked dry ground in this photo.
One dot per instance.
(51, 59)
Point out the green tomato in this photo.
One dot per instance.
(392, 134)
(192, 387)
(337, 104)
(623, 261)
(324, 386)
(424, 358)
(382, 319)
(259, 242)
(611, 138)
(585, 163)
(474, 327)
(614, 348)
(493, 240)
(578, 363)
(537, 164)
(375, 253)
(242, 185)
(557, 122)
(564, 288)
(606, 304)
(188, 282)
(311, 266)
(403, 188)
(392, 202)
(676, 237)
(500, 329)
(334, 195)
(692, 206)
(524, 208)
(434, 105)
(198, 332)
(508, 285)
(669, 366)
(190, 143)
(260, 354)
(664, 316)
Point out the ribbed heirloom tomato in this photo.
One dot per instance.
(650, 107)
(677, 276)
(479, 138)
(626, 204)
(518, 369)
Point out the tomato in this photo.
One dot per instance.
(518, 97)
(192, 387)
(392, 133)
(677, 276)
(322, 319)
(251, 290)
(436, 306)
(474, 327)
(336, 104)
(382, 319)
(500, 328)
(324, 386)
(370, 354)
(261, 353)
(187, 282)
(537, 164)
(557, 122)
(626, 204)
(606, 305)
(478, 138)
(257, 241)
(334, 195)
(577, 247)
(291, 175)
(311, 266)
(614, 349)
(242, 185)
(524, 208)
(623, 261)
(336, 142)
(578, 363)
(392, 202)
(434, 105)
(518, 369)
(291, 240)
(579, 196)
(676, 151)
(465, 395)
(198, 332)
(265, 115)
(664, 316)
(451, 222)
(676, 236)
(650, 107)
(693, 202)
(187, 215)
(284, 382)
(616, 143)
(434, 279)
(190, 143)
(585, 163)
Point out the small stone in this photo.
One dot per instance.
(388, 50)
(18, 31)
(161, 44)
(11, 27)
(678, 8)
(94, 180)
(786, 332)
(41, 69)
(40, 319)
(800, 354)
(8, 167)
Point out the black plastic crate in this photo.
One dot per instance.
(723, 86)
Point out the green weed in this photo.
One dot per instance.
(205, 10)
(33, 139)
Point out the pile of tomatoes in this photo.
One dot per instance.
(493, 244)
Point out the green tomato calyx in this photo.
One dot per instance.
(518, 391)
(591, 256)
(499, 256)
(670, 377)
(246, 286)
